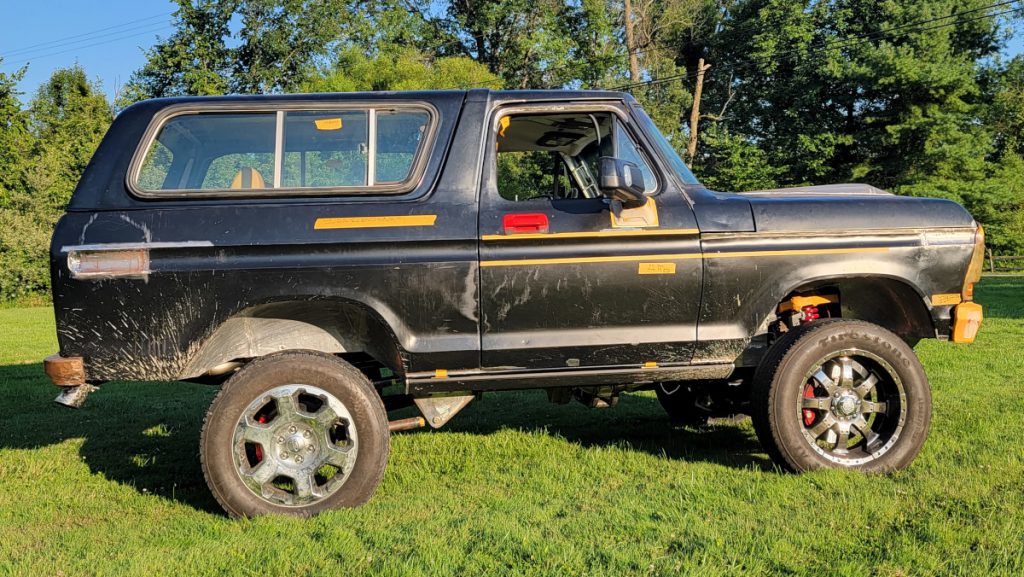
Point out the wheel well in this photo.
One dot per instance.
(887, 302)
(334, 327)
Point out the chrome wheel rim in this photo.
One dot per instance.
(295, 445)
(852, 407)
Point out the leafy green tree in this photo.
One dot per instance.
(399, 69)
(279, 41)
(15, 138)
(194, 60)
(528, 43)
(1005, 114)
(732, 162)
(54, 141)
(69, 116)
(19, 238)
(855, 88)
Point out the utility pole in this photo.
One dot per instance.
(627, 22)
(691, 149)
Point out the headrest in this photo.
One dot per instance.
(248, 177)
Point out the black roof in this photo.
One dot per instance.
(481, 93)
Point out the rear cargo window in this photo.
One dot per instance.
(321, 151)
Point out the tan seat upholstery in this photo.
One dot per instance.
(248, 177)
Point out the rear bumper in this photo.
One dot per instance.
(967, 319)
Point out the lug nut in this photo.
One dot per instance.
(284, 455)
(280, 439)
(309, 449)
(298, 459)
(291, 429)
(306, 434)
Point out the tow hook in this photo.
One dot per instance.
(68, 373)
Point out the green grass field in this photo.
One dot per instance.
(515, 486)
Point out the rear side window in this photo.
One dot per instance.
(318, 151)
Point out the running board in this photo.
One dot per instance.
(498, 380)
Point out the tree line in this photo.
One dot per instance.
(909, 95)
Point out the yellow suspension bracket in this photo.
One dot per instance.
(797, 303)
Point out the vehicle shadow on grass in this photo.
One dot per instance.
(146, 435)
(637, 423)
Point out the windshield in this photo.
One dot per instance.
(665, 147)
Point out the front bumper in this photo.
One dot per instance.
(967, 319)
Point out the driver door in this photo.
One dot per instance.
(564, 282)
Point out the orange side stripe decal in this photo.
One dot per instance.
(375, 221)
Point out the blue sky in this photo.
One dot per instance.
(106, 37)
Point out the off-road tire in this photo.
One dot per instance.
(326, 372)
(782, 375)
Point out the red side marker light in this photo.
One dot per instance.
(525, 222)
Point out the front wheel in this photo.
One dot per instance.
(294, 433)
(841, 394)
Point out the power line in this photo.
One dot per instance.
(87, 36)
(23, 54)
(82, 47)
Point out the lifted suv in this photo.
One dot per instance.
(309, 251)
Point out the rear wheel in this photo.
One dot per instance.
(295, 433)
(841, 394)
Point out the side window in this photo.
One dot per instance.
(627, 150)
(211, 152)
(557, 155)
(326, 149)
(349, 151)
(399, 136)
(157, 167)
(529, 174)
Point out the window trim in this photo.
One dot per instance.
(520, 107)
(411, 182)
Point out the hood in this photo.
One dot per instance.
(842, 207)
(831, 208)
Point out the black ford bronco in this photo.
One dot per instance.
(311, 253)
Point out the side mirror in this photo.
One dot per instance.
(623, 181)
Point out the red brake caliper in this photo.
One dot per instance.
(259, 450)
(809, 414)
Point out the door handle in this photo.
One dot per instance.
(525, 222)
